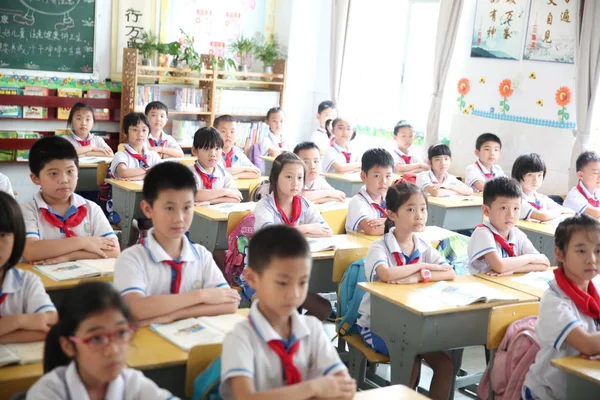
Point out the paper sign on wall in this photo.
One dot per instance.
(134, 18)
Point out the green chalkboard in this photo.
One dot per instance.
(47, 35)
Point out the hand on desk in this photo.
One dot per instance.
(39, 321)
(220, 295)
(338, 386)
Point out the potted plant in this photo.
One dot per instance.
(146, 45)
(243, 48)
(267, 51)
(222, 63)
(183, 52)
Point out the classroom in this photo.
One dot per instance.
(267, 199)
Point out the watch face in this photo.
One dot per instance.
(426, 273)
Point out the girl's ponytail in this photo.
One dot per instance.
(329, 127)
(54, 356)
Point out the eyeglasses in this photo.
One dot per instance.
(99, 341)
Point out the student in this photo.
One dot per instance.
(530, 170)
(214, 184)
(26, 311)
(338, 158)
(166, 277)
(438, 182)
(316, 188)
(277, 353)
(407, 159)
(487, 150)
(81, 120)
(60, 224)
(406, 210)
(498, 247)
(585, 196)
(85, 354)
(233, 160)
(273, 144)
(165, 145)
(366, 211)
(5, 185)
(321, 137)
(134, 161)
(567, 323)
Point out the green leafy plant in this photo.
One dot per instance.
(145, 43)
(222, 62)
(243, 48)
(182, 51)
(267, 50)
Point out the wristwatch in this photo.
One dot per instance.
(425, 274)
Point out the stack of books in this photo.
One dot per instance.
(147, 93)
(191, 99)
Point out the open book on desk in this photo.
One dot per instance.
(228, 208)
(321, 244)
(21, 353)
(78, 269)
(191, 332)
(94, 160)
(463, 294)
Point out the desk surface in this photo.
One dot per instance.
(51, 284)
(433, 233)
(407, 297)
(580, 367)
(342, 242)
(389, 392)
(537, 227)
(244, 184)
(132, 186)
(507, 282)
(268, 158)
(353, 177)
(455, 201)
(15, 378)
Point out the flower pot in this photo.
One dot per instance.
(242, 68)
(268, 69)
(177, 65)
(147, 62)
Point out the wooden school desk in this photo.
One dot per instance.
(506, 281)
(435, 234)
(88, 174)
(389, 392)
(18, 378)
(410, 322)
(455, 213)
(267, 164)
(209, 228)
(541, 235)
(127, 196)
(348, 183)
(583, 377)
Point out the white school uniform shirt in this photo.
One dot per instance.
(25, 294)
(5, 185)
(413, 153)
(360, 208)
(122, 157)
(473, 173)
(94, 224)
(266, 213)
(544, 202)
(558, 317)
(270, 141)
(320, 138)
(382, 252)
(238, 160)
(482, 242)
(576, 201)
(246, 352)
(64, 383)
(334, 154)
(427, 178)
(140, 269)
(170, 142)
(224, 179)
(95, 141)
(319, 184)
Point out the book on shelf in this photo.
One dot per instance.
(146, 94)
(464, 294)
(191, 332)
(63, 112)
(191, 99)
(249, 133)
(78, 269)
(36, 112)
(23, 155)
(11, 111)
(183, 131)
(21, 353)
(7, 155)
(100, 114)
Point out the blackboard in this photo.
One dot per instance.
(47, 35)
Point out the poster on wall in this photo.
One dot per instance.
(499, 29)
(551, 31)
(134, 18)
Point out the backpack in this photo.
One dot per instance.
(206, 385)
(260, 191)
(237, 247)
(350, 297)
(511, 362)
(105, 200)
(254, 155)
(454, 250)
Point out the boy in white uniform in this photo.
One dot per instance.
(5, 185)
(487, 150)
(61, 225)
(166, 277)
(438, 182)
(366, 211)
(214, 184)
(585, 196)
(316, 188)
(233, 159)
(407, 159)
(325, 112)
(497, 246)
(277, 352)
(163, 144)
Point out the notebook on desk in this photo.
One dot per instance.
(94, 160)
(21, 353)
(321, 244)
(78, 269)
(228, 208)
(464, 294)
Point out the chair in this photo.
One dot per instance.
(121, 147)
(234, 219)
(101, 172)
(199, 359)
(336, 219)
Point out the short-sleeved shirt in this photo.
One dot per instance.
(541, 201)
(266, 213)
(319, 184)
(482, 242)
(64, 383)
(558, 317)
(413, 153)
(123, 157)
(427, 178)
(333, 154)
(361, 207)
(382, 252)
(5, 185)
(321, 139)
(141, 269)
(246, 352)
(577, 201)
(25, 294)
(168, 140)
(476, 172)
(95, 141)
(94, 224)
(224, 180)
(271, 141)
(238, 160)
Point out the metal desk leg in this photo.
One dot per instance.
(210, 234)
(320, 277)
(123, 204)
(169, 378)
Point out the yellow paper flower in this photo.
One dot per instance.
(540, 102)
(532, 75)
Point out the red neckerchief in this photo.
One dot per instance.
(280, 144)
(508, 247)
(296, 210)
(228, 158)
(142, 159)
(84, 143)
(593, 202)
(488, 175)
(177, 267)
(347, 155)
(66, 225)
(400, 261)
(378, 207)
(2, 298)
(207, 179)
(588, 303)
(407, 159)
(537, 204)
(154, 143)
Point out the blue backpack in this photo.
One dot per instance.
(206, 385)
(350, 296)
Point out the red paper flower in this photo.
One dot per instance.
(563, 96)
(505, 88)
(463, 86)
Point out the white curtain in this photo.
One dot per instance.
(447, 29)
(586, 78)
(340, 14)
